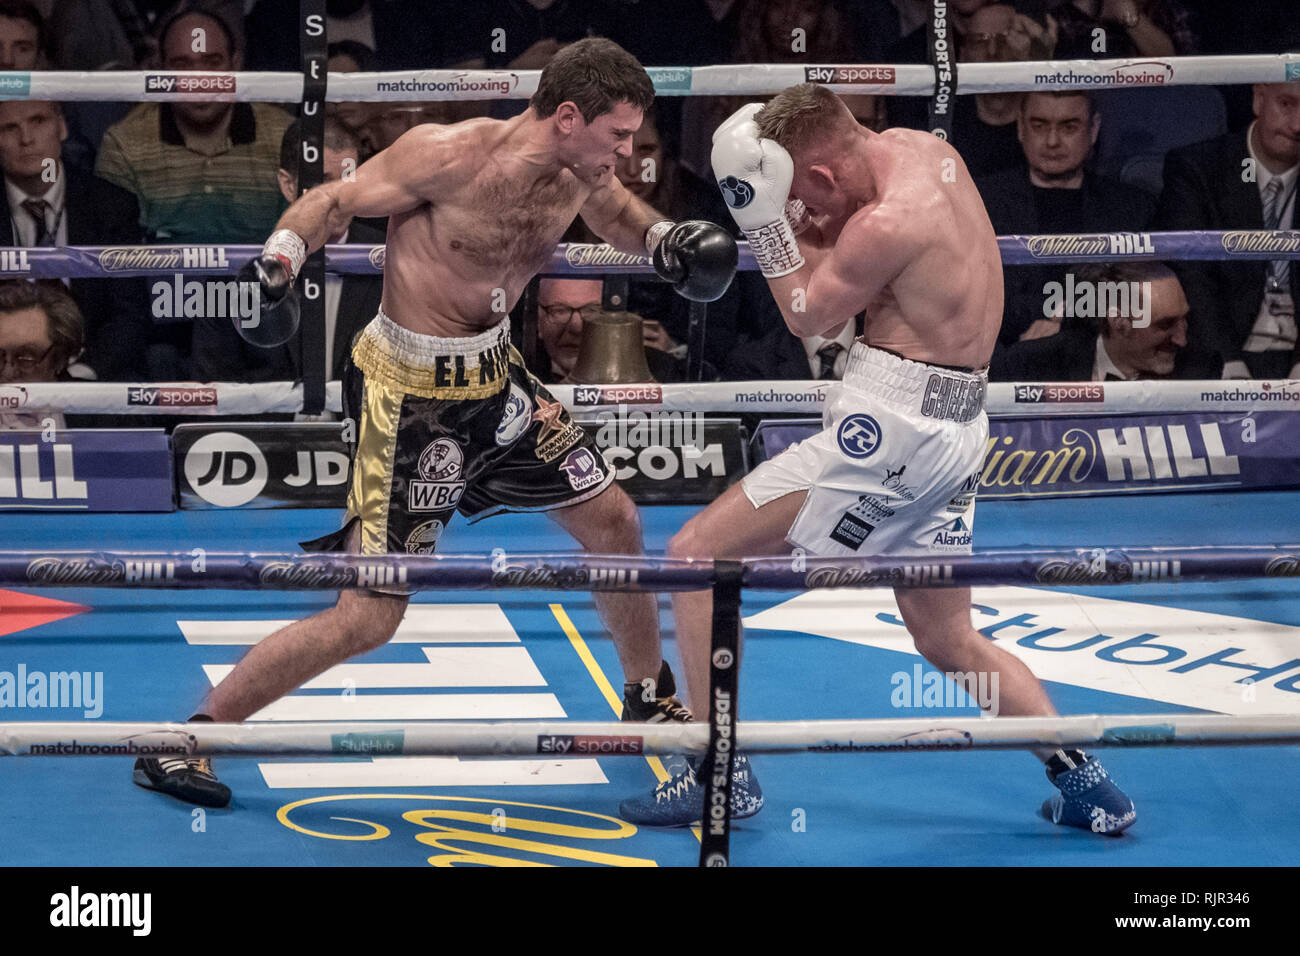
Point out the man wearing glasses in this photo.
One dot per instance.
(40, 334)
(564, 307)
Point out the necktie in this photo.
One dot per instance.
(1278, 270)
(36, 209)
(1112, 377)
(827, 355)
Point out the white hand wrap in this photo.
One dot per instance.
(287, 244)
(775, 249)
(796, 214)
(655, 234)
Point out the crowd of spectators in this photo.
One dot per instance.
(101, 173)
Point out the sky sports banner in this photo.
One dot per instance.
(676, 457)
(1108, 455)
(86, 470)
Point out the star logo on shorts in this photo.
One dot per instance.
(548, 413)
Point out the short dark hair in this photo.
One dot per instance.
(61, 312)
(359, 52)
(1122, 270)
(800, 115)
(197, 8)
(25, 10)
(594, 74)
(337, 137)
(1086, 94)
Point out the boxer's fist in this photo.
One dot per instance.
(698, 258)
(275, 319)
(745, 114)
(754, 174)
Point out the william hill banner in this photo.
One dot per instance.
(1108, 455)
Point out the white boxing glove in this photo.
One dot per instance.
(745, 114)
(755, 175)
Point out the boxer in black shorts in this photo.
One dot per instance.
(447, 419)
(488, 438)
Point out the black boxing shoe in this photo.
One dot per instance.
(655, 701)
(186, 778)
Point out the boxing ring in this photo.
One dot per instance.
(809, 655)
(392, 759)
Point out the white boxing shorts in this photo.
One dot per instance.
(897, 466)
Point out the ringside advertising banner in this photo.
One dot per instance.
(674, 457)
(250, 465)
(86, 470)
(670, 457)
(1114, 454)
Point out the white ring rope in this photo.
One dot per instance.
(745, 79)
(793, 397)
(547, 739)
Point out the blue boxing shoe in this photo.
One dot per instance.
(679, 800)
(1088, 799)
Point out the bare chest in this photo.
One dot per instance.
(502, 225)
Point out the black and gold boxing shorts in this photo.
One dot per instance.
(449, 425)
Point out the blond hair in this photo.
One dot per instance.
(800, 116)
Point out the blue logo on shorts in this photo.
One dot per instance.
(736, 192)
(858, 436)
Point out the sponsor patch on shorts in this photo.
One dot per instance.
(851, 532)
(582, 469)
(424, 538)
(556, 434)
(960, 504)
(858, 436)
(869, 506)
(954, 536)
(515, 419)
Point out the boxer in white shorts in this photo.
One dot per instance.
(896, 467)
(843, 220)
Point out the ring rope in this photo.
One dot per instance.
(532, 739)
(801, 397)
(902, 79)
(90, 262)
(1060, 567)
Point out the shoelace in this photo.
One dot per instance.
(199, 765)
(676, 786)
(203, 767)
(671, 709)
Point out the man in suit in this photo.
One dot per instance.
(1145, 340)
(49, 204)
(1054, 192)
(563, 307)
(221, 355)
(780, 355)
(652, 173)
(1245, 311)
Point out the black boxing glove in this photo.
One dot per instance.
(699, 258)
(276, 317)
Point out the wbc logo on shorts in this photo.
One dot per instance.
(736, 192)
(858, 436)
(440, 466)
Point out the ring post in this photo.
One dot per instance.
(719, 758)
